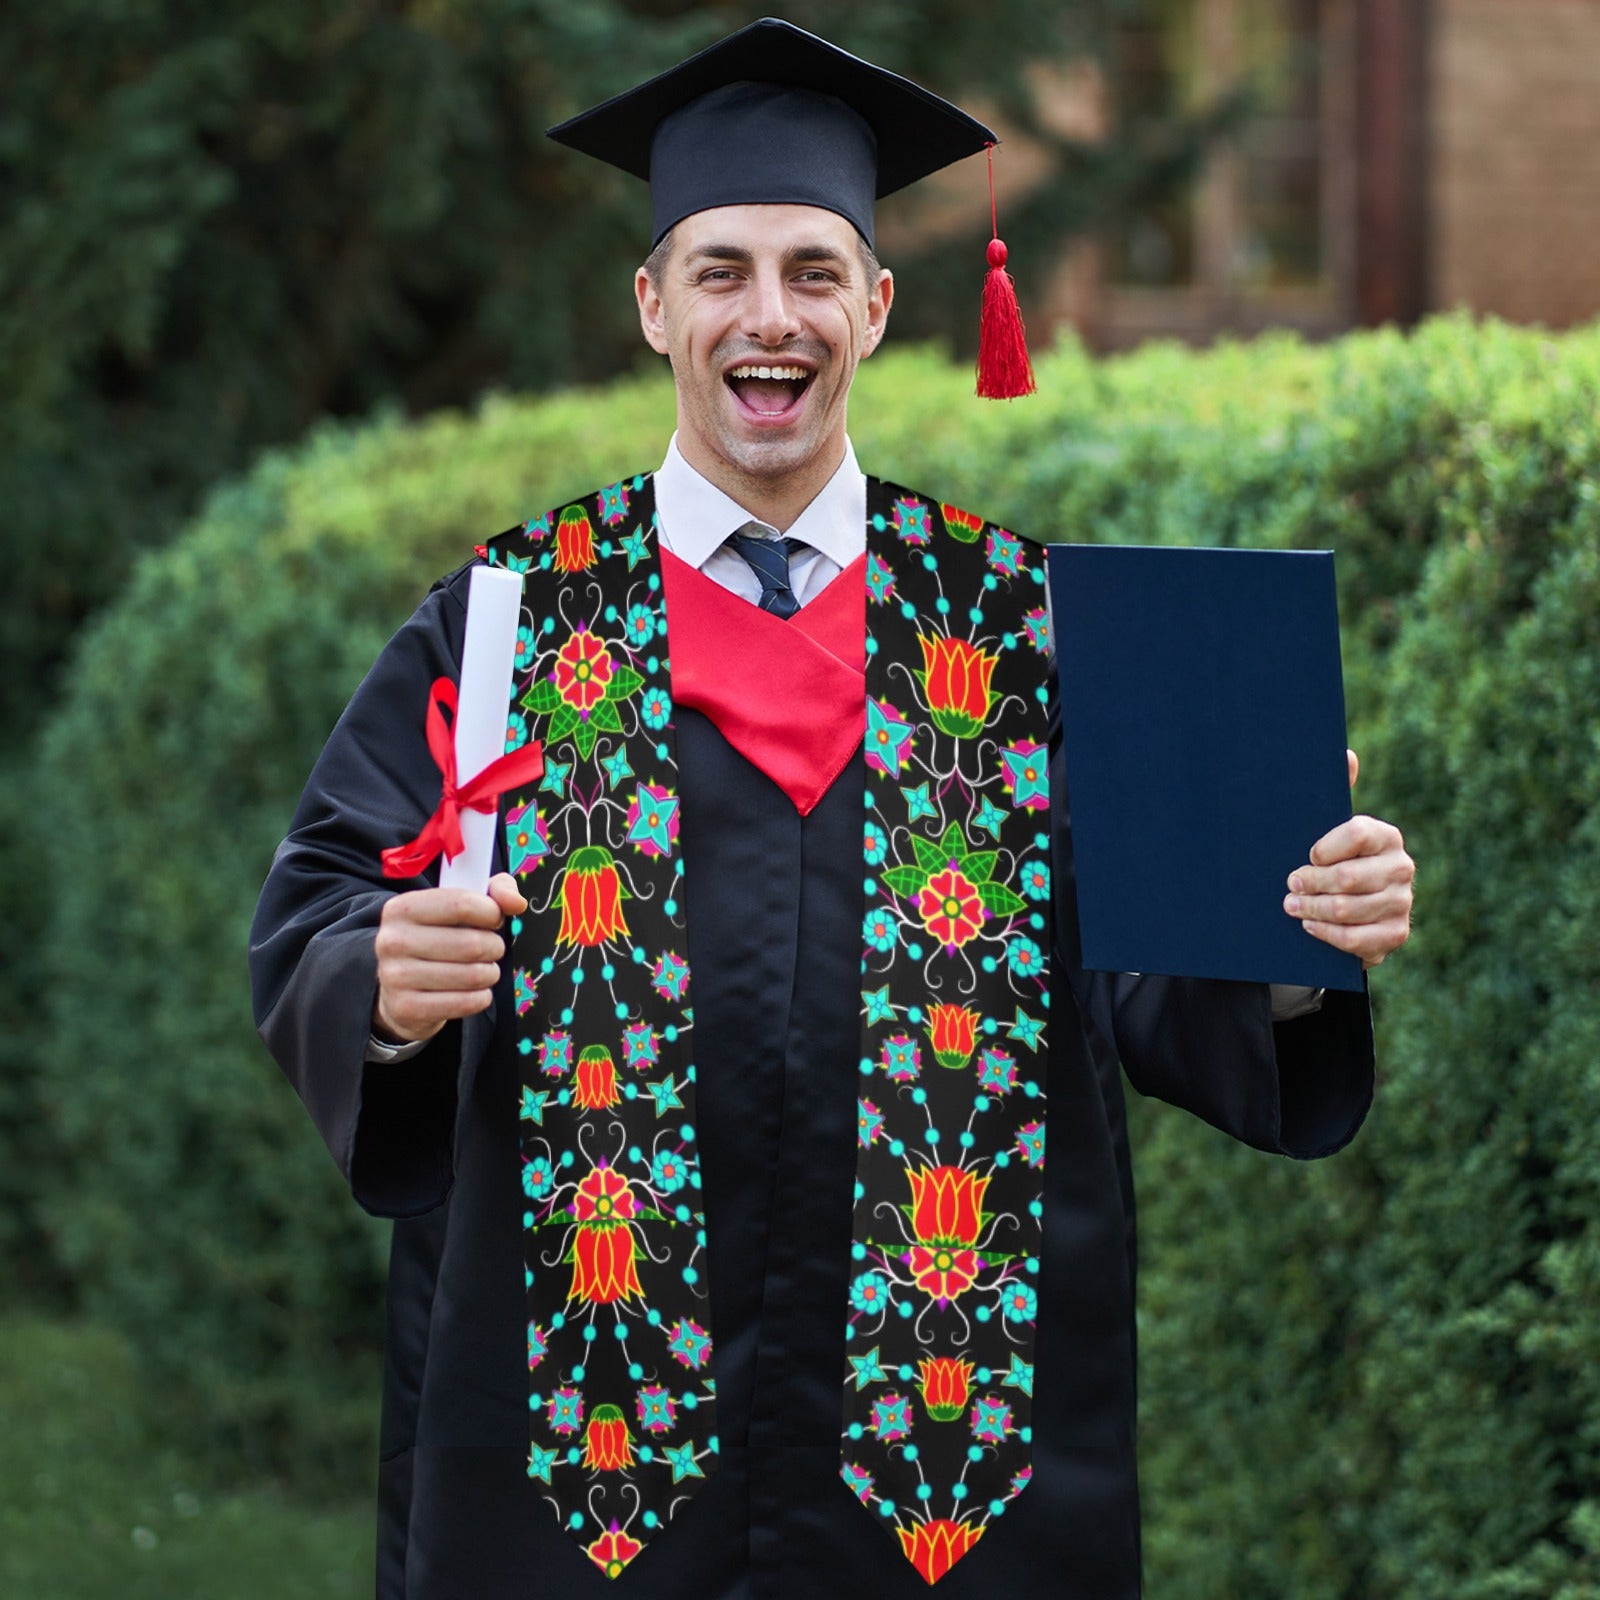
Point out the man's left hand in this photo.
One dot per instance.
(1355, 893)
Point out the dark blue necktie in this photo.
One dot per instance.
(769, 560)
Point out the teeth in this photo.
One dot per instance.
(798, 374)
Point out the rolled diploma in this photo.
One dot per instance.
(494, 607)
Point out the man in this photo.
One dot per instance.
(651, 1227)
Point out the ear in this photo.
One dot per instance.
(879, 299)
(652, 315)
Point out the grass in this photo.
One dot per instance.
(92, 1503)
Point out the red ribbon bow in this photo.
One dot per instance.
(442, 831)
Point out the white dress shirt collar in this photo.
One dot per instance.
(696, 517)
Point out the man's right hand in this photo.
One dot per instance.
(439, 952)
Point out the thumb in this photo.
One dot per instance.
(1354, 762)
(504, 892)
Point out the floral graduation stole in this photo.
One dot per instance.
(942, 1299)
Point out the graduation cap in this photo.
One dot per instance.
(777, 116)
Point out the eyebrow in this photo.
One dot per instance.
(795, 255)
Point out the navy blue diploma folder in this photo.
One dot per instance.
(1202, 711)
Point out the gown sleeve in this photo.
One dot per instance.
(1299, 1088)
(313, 966)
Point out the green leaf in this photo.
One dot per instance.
(930, 856)
(624, 681)
(562, 723)
(543, 698)
(605, 718)
(979, 866)
(1000, 901)
(583, 736)
(906, 881)
(954, 845)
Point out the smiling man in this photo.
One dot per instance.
(731, 1256)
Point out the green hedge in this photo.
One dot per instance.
(1371, 1378)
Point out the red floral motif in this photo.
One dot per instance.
(959, 524)
(943, 1273)
(614, 1549)
(583, 669)
(607, 1444)
(955, 677)
(591, 898)
(953, 1033)
(596, 1088)
(604, 1260)
(934, 1547)
(945, 1383)
(950, 908)
(946, 1205)
(574, 541)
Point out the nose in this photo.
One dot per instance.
(771, 317)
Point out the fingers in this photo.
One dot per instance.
(1354, 763)
(1356, 892)
(438, 956)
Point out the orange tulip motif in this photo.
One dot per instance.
(591, 898)
(953, 1033)
(934, 1547)
(604, 1253)
(945, 1383)
(947, 1216)
(574, 541)
(607, 1444)
(596, 1087)
(955, 679)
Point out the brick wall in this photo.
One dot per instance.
(1514, 162)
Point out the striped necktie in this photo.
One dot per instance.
(769, 560)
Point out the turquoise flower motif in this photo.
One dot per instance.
(690, 1344)
(521, 565)
(1037, 627)
(540, 1461)
(614, 504)
(665, 1095)
(681, 1459)
(918, 802)
(879, 1007)
(888, 740)
(669, 977)
(555, 1053)
(991, 1420)
(538, 1178)
(989, 816)
(516, 731)
(537, 1348)
(555, 776)
(1020, 1303)
(527, 838)
(891, 1418)
(869, 1123)
(634, 548)
(911, 522)
(902, 1058)
(869, 1293)
(1030, 1143)
(877, 845)
(616, 766)
(655, 1408)
(640, 1046)
(1027, 1030)
(533, 1103)
(881, 931)
(522, 659)
(1035, 879)
(1026, 772)
(538, 528)
(639, 625)
(1024, 957)
(565, 1410)
(880, 579)
(857, 1480)
(524, 989)
(997, 1071)
(669, 1171)
(1004, 551)
(653, 820)
(656, 709)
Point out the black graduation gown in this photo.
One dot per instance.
(774, 907)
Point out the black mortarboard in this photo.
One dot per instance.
(774, 115)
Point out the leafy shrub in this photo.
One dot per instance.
(1374, 1377)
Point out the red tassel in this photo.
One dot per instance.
(1004, 370)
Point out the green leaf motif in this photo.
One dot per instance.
(624, 681)
(1000, 901)
(930, 856)
(954, 845)
(907, 882)
(543, 698)
(979, 866)
(562, 722)
(605, 718)
(583, 736)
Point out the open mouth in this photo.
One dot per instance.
(769, 391)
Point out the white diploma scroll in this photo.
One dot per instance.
(494, 607)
